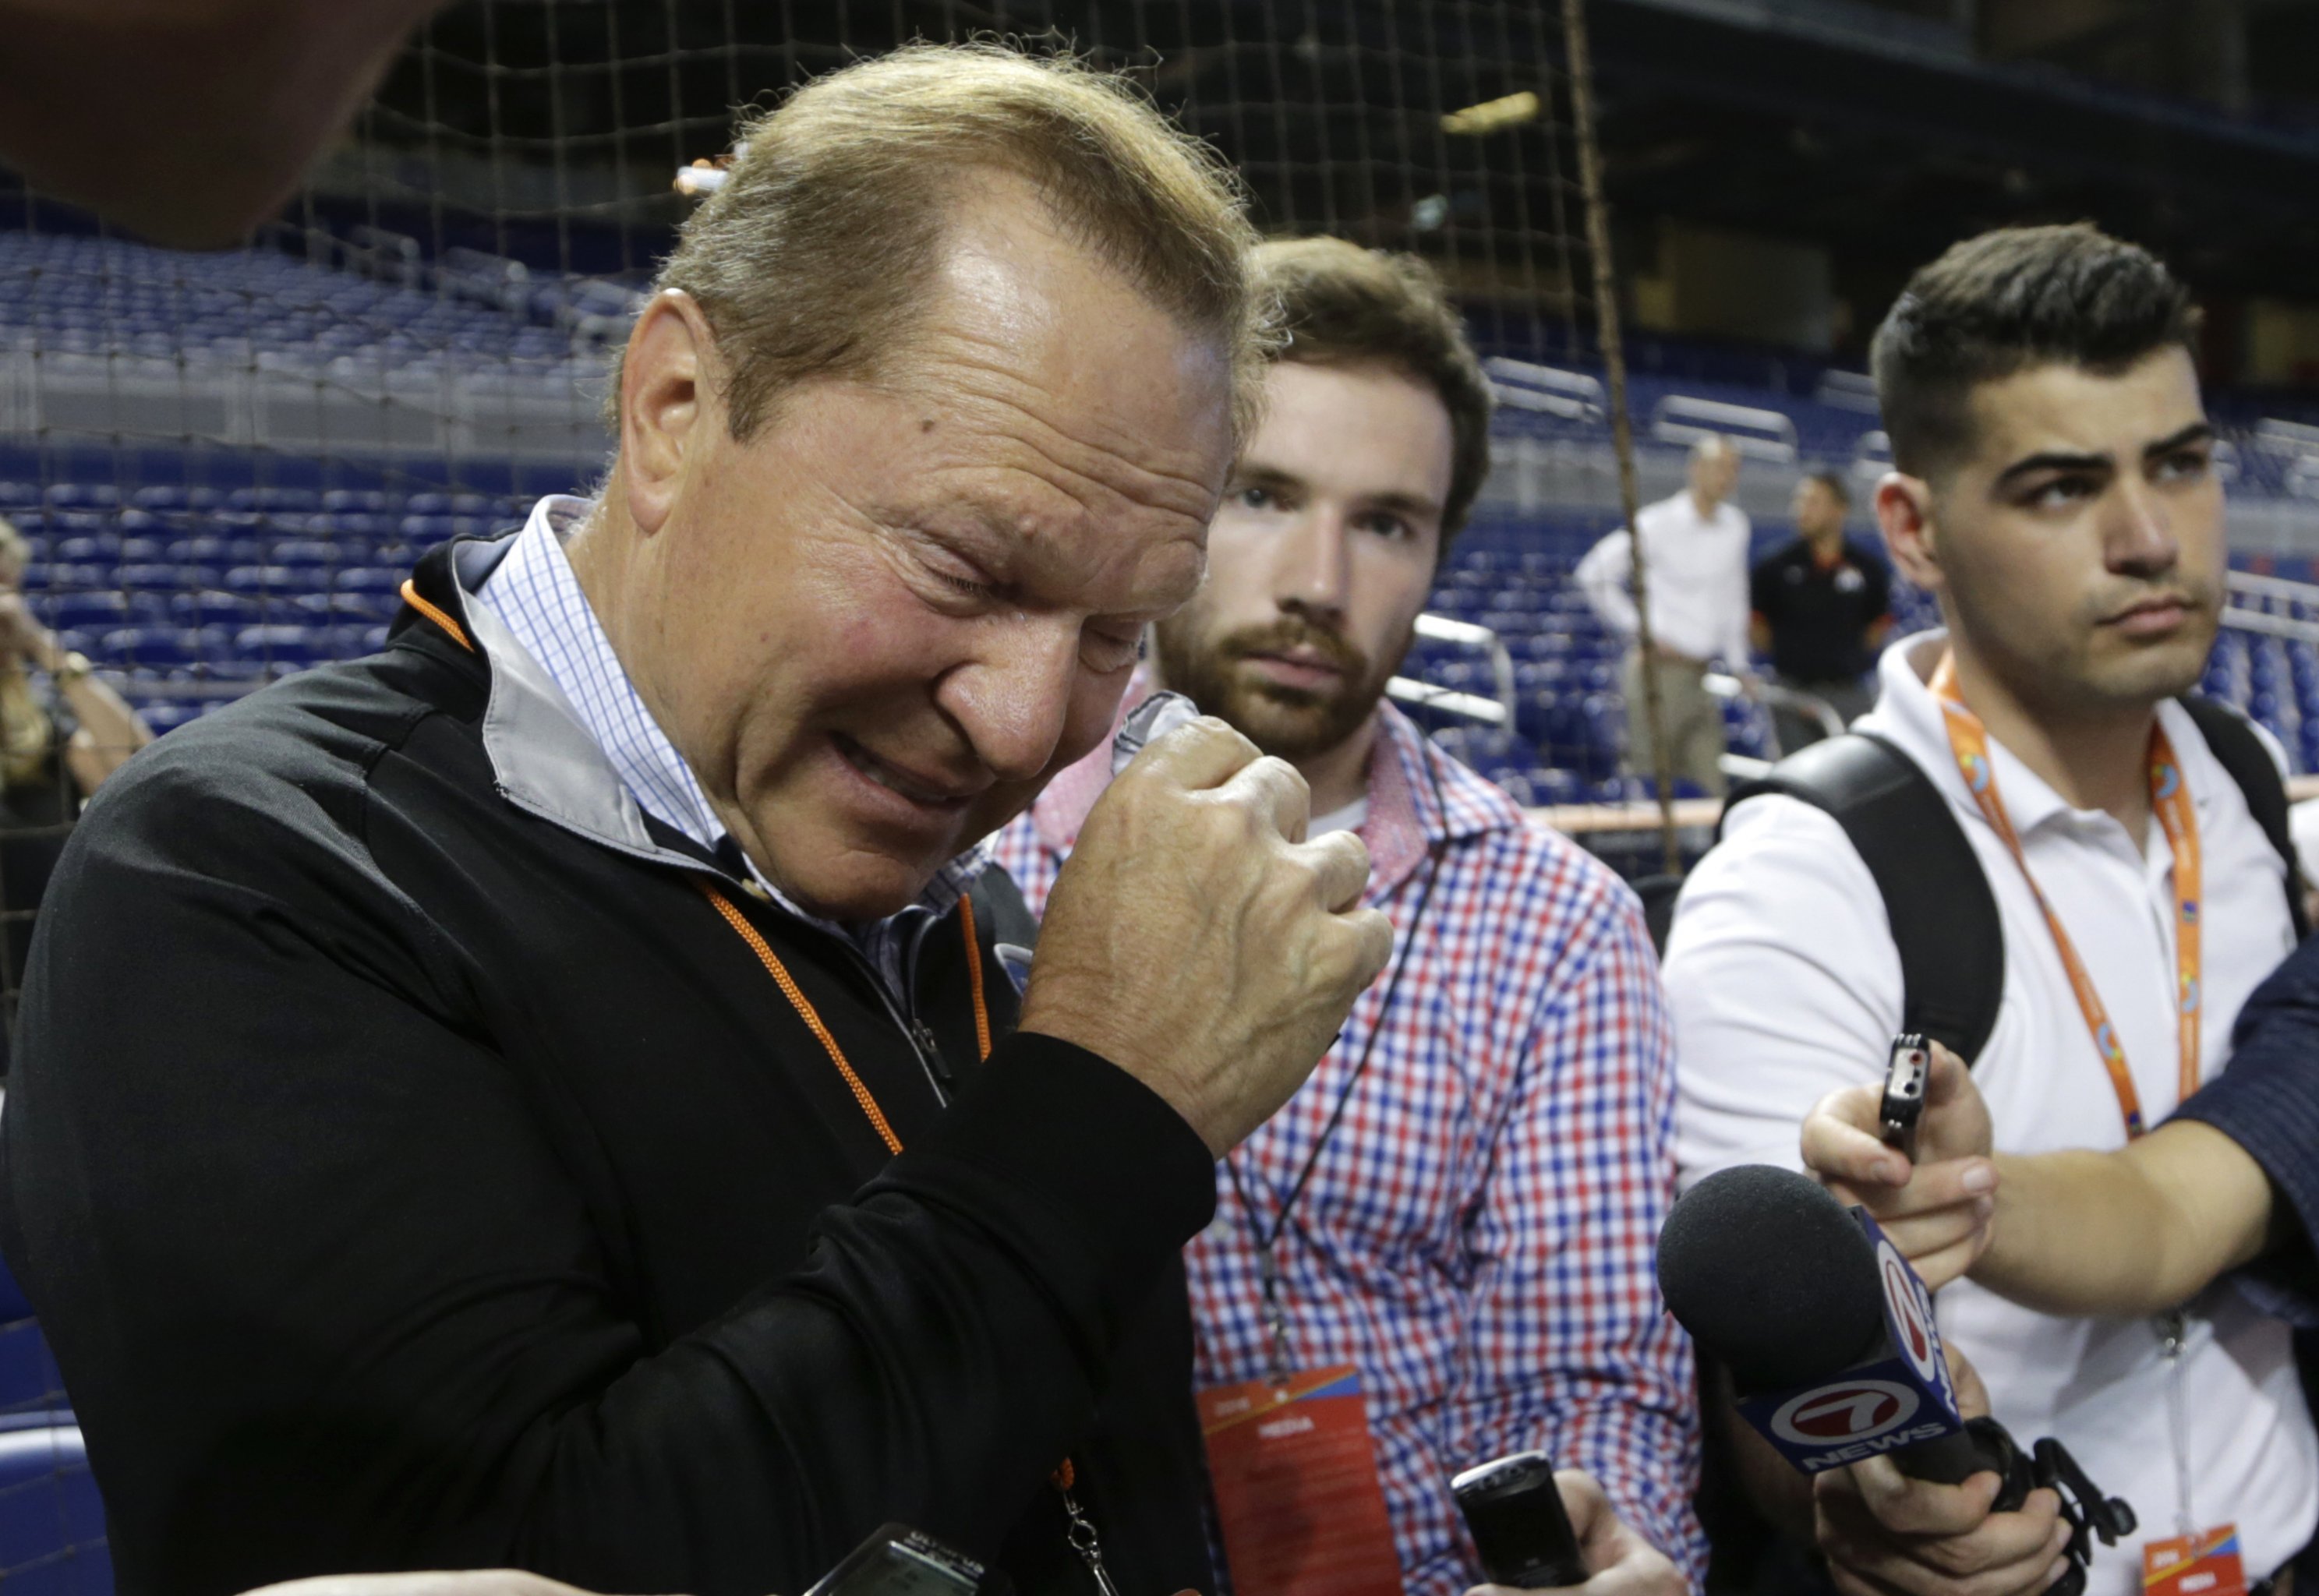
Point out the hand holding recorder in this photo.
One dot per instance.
(1197, 940)
(1927, 1179)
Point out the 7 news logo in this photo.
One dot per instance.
(1898, 1396)
(1851, 1411)
(1850, 1419)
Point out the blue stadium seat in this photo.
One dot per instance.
(14, 1303)
(274, 498)
(260, 580)
(291, 646)
(89, 548)
(82, 495)
(97, 609)
(51, 1518)
(167, 714)
(214, 607)
(29, 1379)
(210, 549)
(165, 648)
(310, 551)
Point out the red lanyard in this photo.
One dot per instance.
(2170, 797)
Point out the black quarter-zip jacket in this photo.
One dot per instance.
(412, 1169)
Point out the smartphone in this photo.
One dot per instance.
(899, 1561)
(1519, 1524)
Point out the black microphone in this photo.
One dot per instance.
(1772, 1275)
(1828, 1335)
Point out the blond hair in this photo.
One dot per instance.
(26, 732)
(817, 257)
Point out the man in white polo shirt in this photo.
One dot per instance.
(2055, 489)
(1697, 548)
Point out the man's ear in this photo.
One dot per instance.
(667, 403)
(1904, 511)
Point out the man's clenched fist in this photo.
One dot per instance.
(1196, 939)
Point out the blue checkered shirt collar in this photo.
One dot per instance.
(538, 597)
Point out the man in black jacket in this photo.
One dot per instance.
(547, 1096)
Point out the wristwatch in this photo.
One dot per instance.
(76, 665)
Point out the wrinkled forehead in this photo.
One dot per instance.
(1036, 354)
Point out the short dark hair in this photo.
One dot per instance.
(1341, 304)
(1833, 480)
(2005, 302)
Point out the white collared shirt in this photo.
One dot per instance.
(1785, 985)
(536, 595)
(1698, 579)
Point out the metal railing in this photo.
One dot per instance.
(1569, 395)
(1848, 390)
(2248, 597)
(1498, 711)
(1759, 434)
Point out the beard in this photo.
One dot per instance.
(1290, 722)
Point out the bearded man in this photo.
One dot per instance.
(1456, 1211)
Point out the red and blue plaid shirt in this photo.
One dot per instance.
(1477, 1239)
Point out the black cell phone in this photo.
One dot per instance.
(899, 1561)
(1519, 1524)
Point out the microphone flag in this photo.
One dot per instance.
(1898, 1394)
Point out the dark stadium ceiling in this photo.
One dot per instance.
(1881, 131)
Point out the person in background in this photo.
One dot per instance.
(2054, 490)
(1696, 544)
(63, 731)
(1819, 607)
(1461, 1204)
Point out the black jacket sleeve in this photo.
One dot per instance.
(2267, 1102)
(326, 1298)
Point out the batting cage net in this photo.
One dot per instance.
(220, 467)
(217, 469)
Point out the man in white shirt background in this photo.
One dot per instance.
(2055, 489)
(1696, 545)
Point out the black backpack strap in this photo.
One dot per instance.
(2240, 752)
(1943, 914)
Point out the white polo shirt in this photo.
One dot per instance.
(1784, 985)
(1699, 579)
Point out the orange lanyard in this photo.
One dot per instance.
(798, 1001)
(2170, 797)
(771, 959)
(1082, 1536)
